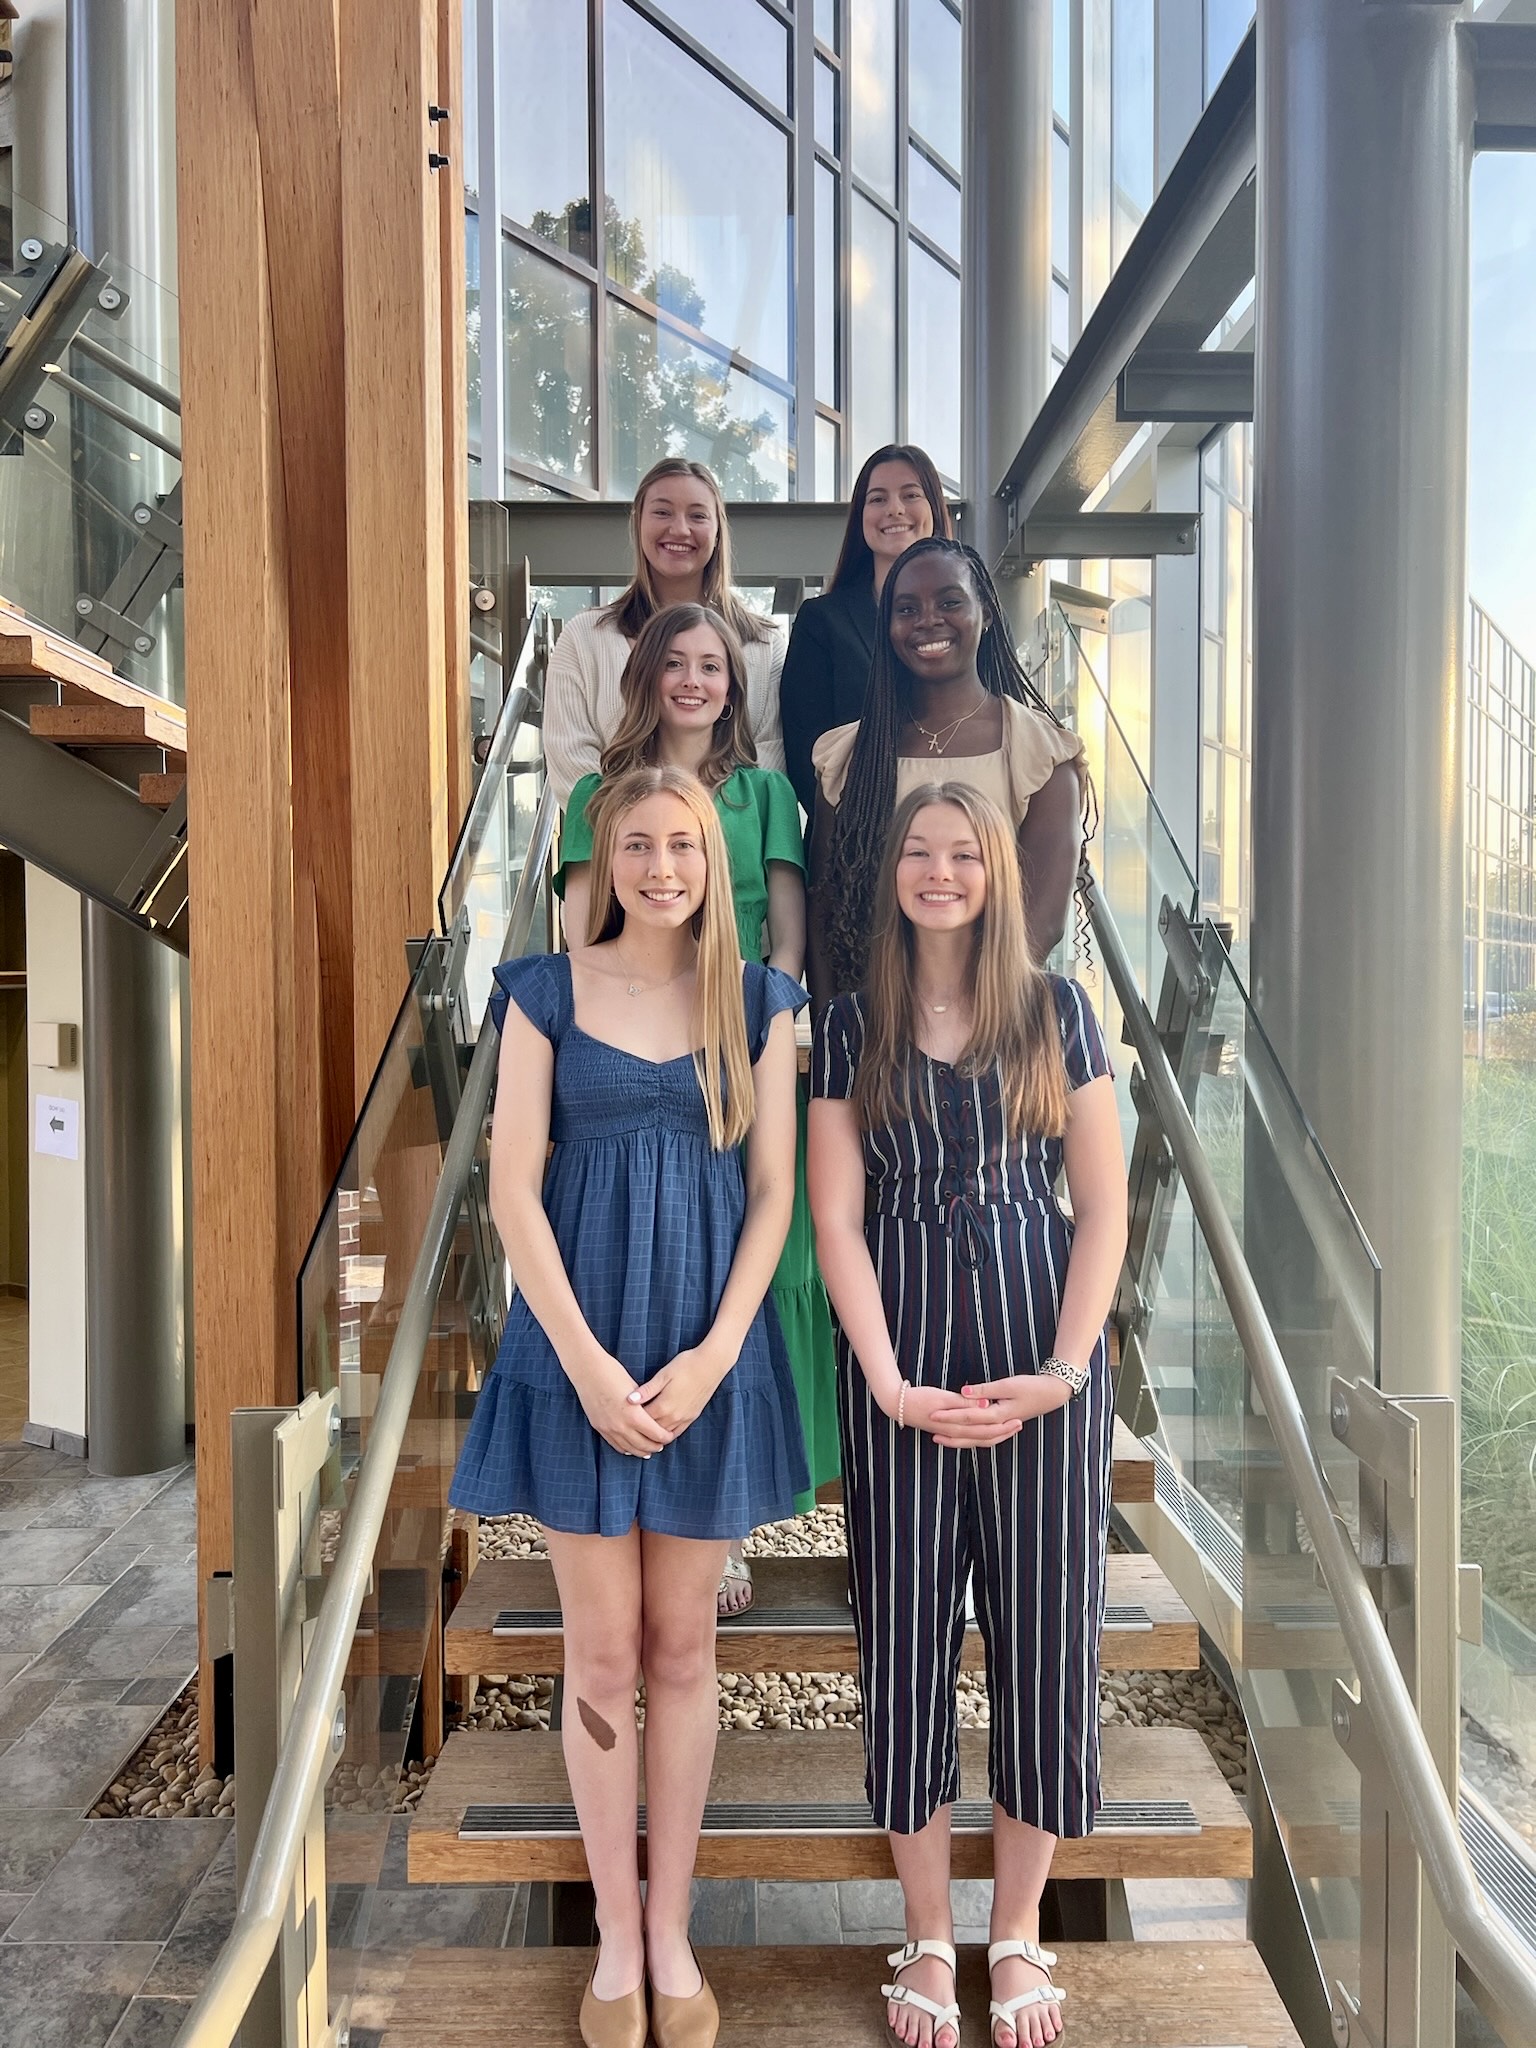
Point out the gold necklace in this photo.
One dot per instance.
(646, 988)
(938, 741)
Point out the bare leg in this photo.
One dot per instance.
(922, 1864)
(600, 1606)
(680, 1578)
(1021, 1863)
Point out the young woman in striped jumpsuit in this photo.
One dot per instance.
(974, 1381)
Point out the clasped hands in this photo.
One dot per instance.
(640, 1419)
(984, 1414)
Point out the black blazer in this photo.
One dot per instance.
(826, 673)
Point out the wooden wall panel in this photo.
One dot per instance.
(395, 517)
(243, 1080)
(450, 202)
(298, 102)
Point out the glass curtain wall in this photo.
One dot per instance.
(726, 229)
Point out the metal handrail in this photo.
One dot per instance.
(306, 1752)
(1495, 1955)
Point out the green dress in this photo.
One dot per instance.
(760, 819)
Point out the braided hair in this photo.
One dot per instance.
(869, 792)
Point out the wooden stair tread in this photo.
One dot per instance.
(1134, 1474)
(159, 792)
(1162, 1994)
(84, 680)
(95, 724)
(1314, 1790)
(771, 1640)
(792, 1769)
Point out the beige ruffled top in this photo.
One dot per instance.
(1033, 747)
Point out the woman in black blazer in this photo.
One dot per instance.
(896, 500)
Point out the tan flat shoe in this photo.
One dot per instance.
(685, 2022)
(613, 2022)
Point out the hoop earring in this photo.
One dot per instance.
(728, 712)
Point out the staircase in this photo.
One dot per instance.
(789, 1806)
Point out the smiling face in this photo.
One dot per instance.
(678, 527)
(941, 877)
(695, 681)
(896, 511)
(937, 619)
(660, 871)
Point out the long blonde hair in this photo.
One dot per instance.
(1014, 1026)
(632, 607)
(721, 1058)
(635, 742)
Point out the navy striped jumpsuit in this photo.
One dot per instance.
(970, 1249)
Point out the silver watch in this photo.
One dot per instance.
(1076, 1376)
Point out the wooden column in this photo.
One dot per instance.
(325, 505)
(455, 406)
(395, 512)
(247, 1222)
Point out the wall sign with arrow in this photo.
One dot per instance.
(57, 1127)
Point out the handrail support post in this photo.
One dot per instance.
(279, 1458)
(1409, 1541)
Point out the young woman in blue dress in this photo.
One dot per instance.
(974, 1380)
(684, 704)
(641, 1405)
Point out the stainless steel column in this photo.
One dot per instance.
(1364, 155)
(135, 1401)
(122, 196)
(1006, 337)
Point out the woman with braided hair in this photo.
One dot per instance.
(948, 700)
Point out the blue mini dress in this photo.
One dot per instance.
(647, 1216)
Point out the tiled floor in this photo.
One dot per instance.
(98, 1633)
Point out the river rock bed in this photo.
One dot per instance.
(162, 1780)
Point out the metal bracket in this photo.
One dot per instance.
(115, 630)
(1087, 536)
(1380, 1434)
(1504, 64)
(1469, 1603)
(219, 1613)
(1186, 385)
(1184, 955)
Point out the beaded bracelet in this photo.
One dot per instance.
(901, 1407)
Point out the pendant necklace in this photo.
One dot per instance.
(938, 741)
(645, 988)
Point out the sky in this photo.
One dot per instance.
(1501, 499)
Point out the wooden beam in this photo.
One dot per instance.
(451, 261)
(395, 512)
(244, 1219)
(298, 104)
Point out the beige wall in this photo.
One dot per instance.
(14, 1140)
(57, 1186)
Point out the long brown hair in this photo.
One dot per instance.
(1014, 1028)
(721, 1058)
(856, 560)
(633, 607)
(635, 743)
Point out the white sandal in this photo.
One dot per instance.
(898, 1994)
(1003, 2012)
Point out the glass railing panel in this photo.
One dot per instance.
(1498, 1413)
(89, 487)
(352, 1289)
(1220, 1475)
(487, 860)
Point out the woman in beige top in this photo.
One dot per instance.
(682, 548)
(948, 701)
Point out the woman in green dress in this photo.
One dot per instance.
(685, 706)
